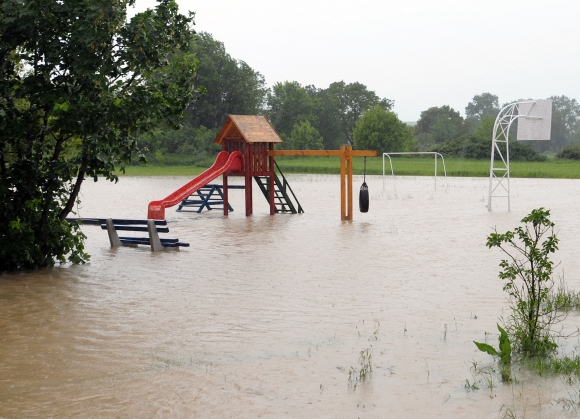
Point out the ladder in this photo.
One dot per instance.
(282, 192)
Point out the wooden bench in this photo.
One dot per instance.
(153, 227)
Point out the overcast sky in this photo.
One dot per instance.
(421, 53)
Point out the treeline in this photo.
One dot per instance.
(443, 129)
(307, 117)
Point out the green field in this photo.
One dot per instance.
(562, 169)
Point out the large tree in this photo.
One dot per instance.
(333, 111)
(383, 131)
(437, 125)
(231, 85)
(482, 105)
(78, 83)
(290, 103)
(328, 118)
(352, 101)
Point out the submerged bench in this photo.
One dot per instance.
(153, 227)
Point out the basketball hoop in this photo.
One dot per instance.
(535, 122)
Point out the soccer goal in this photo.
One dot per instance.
(433, 153)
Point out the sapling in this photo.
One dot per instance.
(527, 272)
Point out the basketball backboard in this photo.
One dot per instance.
(535, 120)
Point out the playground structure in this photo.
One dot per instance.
(247, 143)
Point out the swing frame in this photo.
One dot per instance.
(346, 153)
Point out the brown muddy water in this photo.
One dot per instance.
(265, 316)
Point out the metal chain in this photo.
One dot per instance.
(365, 172)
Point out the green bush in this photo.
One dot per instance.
(176, 141)
(184, 147)
(571, 152)
(473, 147)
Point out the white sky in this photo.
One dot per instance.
(421, 53)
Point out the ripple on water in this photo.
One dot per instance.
(266, 315)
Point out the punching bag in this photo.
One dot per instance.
(363, 196)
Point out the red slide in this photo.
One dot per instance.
(223, 163)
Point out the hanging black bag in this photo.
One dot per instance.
(363, 197)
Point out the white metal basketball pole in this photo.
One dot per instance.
(508, 114)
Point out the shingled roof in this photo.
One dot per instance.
(250, 128)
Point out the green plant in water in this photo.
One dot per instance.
(365, 368)
(564, 298)
(504, 352)
(528, 280)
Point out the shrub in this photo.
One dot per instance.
(571, 152)
(474, 147)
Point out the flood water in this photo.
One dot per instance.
(265, 316)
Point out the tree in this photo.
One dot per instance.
(382, 131)
(484, 129)
(231, 86)
(303, 137)
(78, 84)
(527, 272)
(352, 101)
(437, 125)
(328, 118)
(290, 103)
(333, 111)
(482, 106)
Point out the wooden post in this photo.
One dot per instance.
(342, 183)
(272, 174)
(349, 182)
(226, 200)
(248, 179)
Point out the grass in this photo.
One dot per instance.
(363, 373)
(402, 166)
(565, 298)
(565, 365)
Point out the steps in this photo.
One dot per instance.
(282, 193)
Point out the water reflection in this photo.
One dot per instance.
(264, 316)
